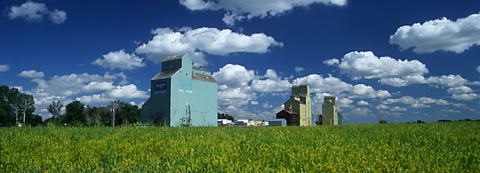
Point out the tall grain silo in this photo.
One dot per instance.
(329, 111)
(181, 95)
(300, 102)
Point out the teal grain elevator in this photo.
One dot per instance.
(181, 95)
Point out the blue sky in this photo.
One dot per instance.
(399, 60)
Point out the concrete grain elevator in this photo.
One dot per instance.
(330, 112)
(181, 95)
(299, 107)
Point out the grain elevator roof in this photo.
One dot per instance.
(170, 58)
(165, 74)
(203, 78)
(201, 69)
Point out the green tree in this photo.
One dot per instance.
(75, 113)
(34, 120)
(6, 116)
(225, 116)
(15, 106)
(56, 110)
(125, 112)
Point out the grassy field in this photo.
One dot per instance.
(437, 147)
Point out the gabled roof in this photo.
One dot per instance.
(300, 86)
(290, 111)
(165, 74)
(200, 68)
(170, 58)
(299, 95)
(202, 77)
(298, 101)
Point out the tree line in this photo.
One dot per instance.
(14, 106)
(17, 108)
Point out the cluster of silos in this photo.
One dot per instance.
(298, 108)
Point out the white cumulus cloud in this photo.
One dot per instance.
(344, 103)
(397, 108)
(447, 81)
(416, 102)
(403, 81)
(466, 97)
(68, 85)
(459, 90)
(98, 86)
(332, 62)
(362, 102)
(247, 9)
(361, 112)
(367, 65)
(127, 92)
(236, 96)
(440, 34)
(335, 86)
(382, 106)
(88, 88)
(58, 16)
(266, 105)
(31, 74)
(454, 83)
(271, 74)
(120, 60)
(95, 98)
(272, 83)
(233, 85)
(34, 12)
(196, 42)
(233, 76)
(299, 69)
(4, 67)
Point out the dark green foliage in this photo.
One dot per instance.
(56, 110)
(382, 121)
(34, 120)
(13, 106)
(75, 113)
(225, 116)
(126, 113)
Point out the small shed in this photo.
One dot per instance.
(277, 122)
(292, 117)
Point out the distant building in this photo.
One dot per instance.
(291, 117)
(225, 122)
(277, 122)
(301, 103)
(330, 113)
(181, 95)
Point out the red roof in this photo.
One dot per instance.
(290, 111)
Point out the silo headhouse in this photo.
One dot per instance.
(181, 95)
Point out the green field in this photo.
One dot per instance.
(436, 147)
